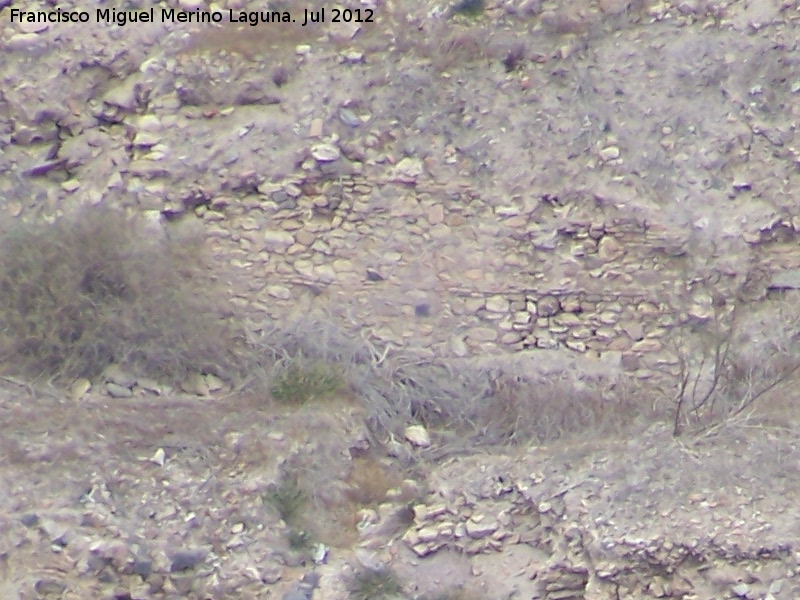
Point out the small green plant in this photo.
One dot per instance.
(468, 8)
(374, 584)
(299, 539)
(287, 498)
(299, 381)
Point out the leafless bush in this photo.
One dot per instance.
(97, 288)
(741, 361)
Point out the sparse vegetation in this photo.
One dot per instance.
(463, 408)
(287, 498)
(374, 584)
(468, 8)
(369, 482)
(97, 288)
(740, 364)
(298, 381)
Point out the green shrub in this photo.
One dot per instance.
(298, 381)
(374, 584)
(287, 498)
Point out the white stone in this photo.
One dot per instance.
(325, 152)
(480, 530)
(407, 170)
(610, 153)
(418, 436)
(497, 304)
(159, 458)
(277, 239)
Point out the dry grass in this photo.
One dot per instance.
(97, 288)
(464, 408)
(369, 482)
(251, 42)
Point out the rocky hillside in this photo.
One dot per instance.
(525, 192)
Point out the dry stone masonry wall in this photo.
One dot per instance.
(428, 266)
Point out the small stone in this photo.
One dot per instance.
(79, 388)
(305, 238)
(142, 567)
(325, 153)
(701, 312)
(373, 275)
(575, 345)
(146, 139)
(457, 346)
(115, 374)
(522, 318)
(565, 320)
(741, 590)
(609, 249)
(29, 519)
(423, 512)
(497, 304)
(123, 95)
(150, 385)
(315, 129)
(546, 342)
(422, 550)
(117, 391)
(213, 383)
(548, 306)
(647, 345)
(407, 170)
(427, 534)
(33, 27)
(630, 361)
(349, 118)
(436, 214)
(633, 330)
(571, 304)
(159, 458)
(609, 153)
(196, 384)
(277, 240)
(278, 291)
(183, 560)
(751, 237)
(608, 317)
(71, 185)
(418, 436)
(477, 530)
(648, 309)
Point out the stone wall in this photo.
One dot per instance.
(440, 268)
